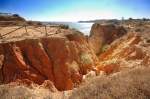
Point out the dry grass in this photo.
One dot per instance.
(133, 84)
(23, 92)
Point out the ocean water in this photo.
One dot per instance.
(82, 27)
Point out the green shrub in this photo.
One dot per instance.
(104, 48)
(86, 58)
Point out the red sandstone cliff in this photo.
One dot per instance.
(102, 35)
(128, 52)
(62, 60)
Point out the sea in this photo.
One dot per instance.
(82, 27)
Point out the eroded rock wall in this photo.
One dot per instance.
(62, 60)
(128, 52)
(101, 35)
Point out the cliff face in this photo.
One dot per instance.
(128, 52)
(62, 60)
(102, 35)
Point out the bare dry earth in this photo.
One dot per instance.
(32, 32)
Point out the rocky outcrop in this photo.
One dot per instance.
(62, 60)
(102, 35)
(128, 52)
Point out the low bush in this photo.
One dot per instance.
(133, 84)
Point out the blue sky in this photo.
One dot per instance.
(75, 10)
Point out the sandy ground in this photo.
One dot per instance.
(29, 32)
